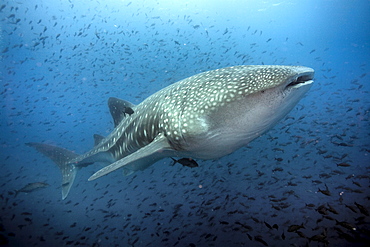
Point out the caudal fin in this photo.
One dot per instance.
(60, 156)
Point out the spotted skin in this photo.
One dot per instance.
(176, 109)
(204, 116)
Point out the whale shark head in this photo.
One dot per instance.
(222, 110)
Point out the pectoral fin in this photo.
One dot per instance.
(141, 159)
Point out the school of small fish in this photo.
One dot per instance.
(304, 183)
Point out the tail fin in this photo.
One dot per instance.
(60, 156)
(174, 161)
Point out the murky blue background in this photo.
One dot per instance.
(62, 60)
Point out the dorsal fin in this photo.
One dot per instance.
(97, 139)
(119, 108)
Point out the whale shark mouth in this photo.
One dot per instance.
(303, 79)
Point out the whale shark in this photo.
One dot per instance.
(205, 116)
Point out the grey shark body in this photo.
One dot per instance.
(205, 116)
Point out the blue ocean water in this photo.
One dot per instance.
(62, 60)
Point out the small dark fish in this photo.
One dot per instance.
(28, 220)
(326, 191)
(21, 226)
(294, 228)
(246, 227)
(301, 234)
(278, 149)
(331, 209)
(316, 181)
(329, 217)
(275, 226)
(363, 210)
(278, 169)
(268, 225)
(127, 110)
(343, 144)
(344, 164)
(322, 210)
(318, 238)
(31, 187)
(189, 162)
(353, 209)
(259, 239)
(356, 183)
(97, 35)
(268, 40)
(346, 225)
(255, 219)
